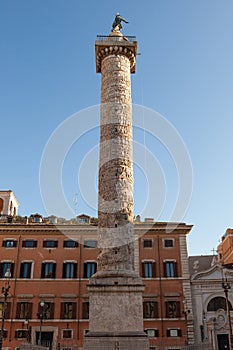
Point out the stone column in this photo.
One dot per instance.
(115, 291)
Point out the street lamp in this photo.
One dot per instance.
(41, 316)
(226, 286)
(5, 292)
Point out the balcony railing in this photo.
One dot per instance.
(103, 38)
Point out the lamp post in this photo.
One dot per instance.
(5, 292)
(226, 286)
(41, 316)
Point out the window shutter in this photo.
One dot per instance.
(51, 310)
(1, 270)
(8, 311)
(156, 309)
(85, 270)
(54, 271)
(167, 309)
(30, 305)
(42, 271)
(153, 270)
(18, 307)
(62, 316)
(64, 270)
(179, 333)
(75, 270)
(14, 244)
(175, 269)
(168, 332)
(164, 270)
(12, 269)
(156, 332)
(178, 309)
(85, 310)
(74, 310)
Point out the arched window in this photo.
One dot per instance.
(218, 303)
(1, 205)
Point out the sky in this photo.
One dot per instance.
(184, 74)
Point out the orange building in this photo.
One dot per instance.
(50, 266)
(225, 249)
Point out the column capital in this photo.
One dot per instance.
(116, 44)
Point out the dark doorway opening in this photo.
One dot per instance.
(46, 339)
(223, 342)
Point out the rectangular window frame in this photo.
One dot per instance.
(69, 270)
(24, 310)
(48, 270)
(90, 268)
(70, 244)
(50, 243)
(9, 243)
(4, 266)
(90, 243)
(173, 309)
(148, 269)
(29, 243)
(26, 272)
(66, 330)
(150, 309)
(166, 243)
(68, 310)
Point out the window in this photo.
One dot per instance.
(69, 270)
(147, 243)
(70, 244)
(173, 332)
(9, 243)
(7, 310)
(152, 348)
(4, 334)
(148, 269)
(168, 243)
(24, 310)
(48, 270)
(90, 243)
(25, 270)
(47, 311)
(150, 309)
(5, 267)
(29, 243)
(218, 303)
(152, 332)
(68, 310)
(21, 333)
(172, 309)
(170, 269)
(50, 244)
(89, 269)
(67, 334)
(85, 310)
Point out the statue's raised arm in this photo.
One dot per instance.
(117, 22)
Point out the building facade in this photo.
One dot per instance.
(225, 248)
(50, 267)
(8, 204)
(210, 285)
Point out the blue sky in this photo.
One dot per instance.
(184, 72)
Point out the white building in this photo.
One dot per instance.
(8, 204)
(211, 314)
